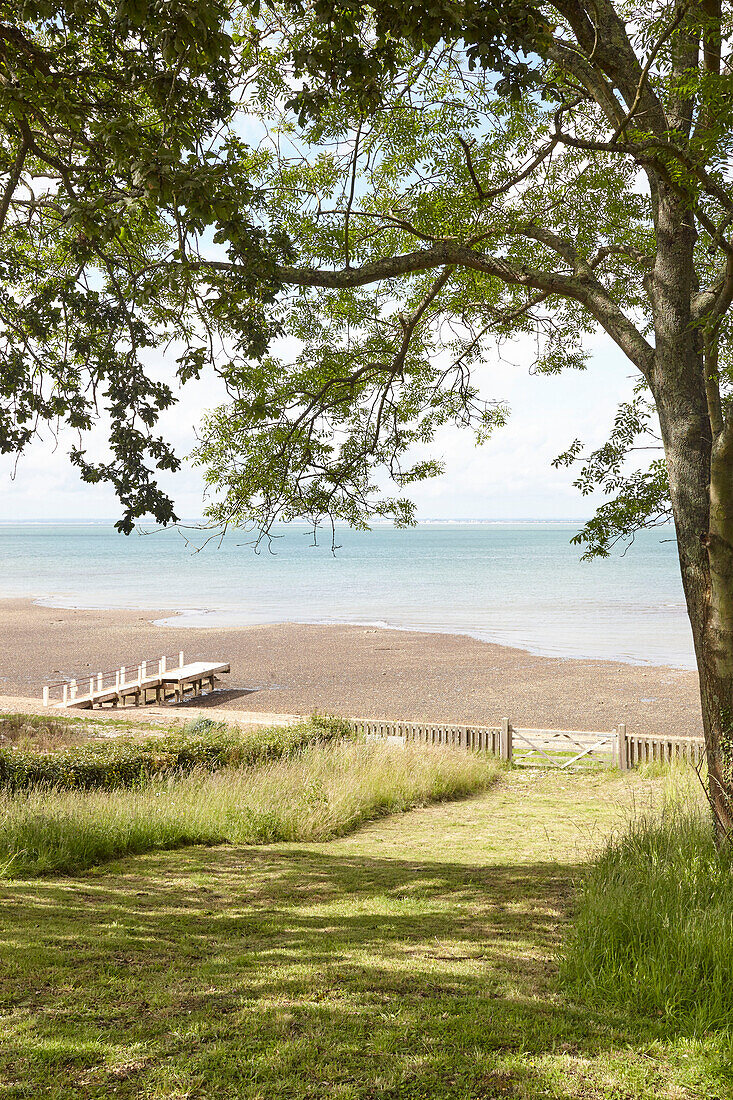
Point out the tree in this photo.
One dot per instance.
(586, 186)
(111, 154)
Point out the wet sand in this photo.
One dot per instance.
(358, 671)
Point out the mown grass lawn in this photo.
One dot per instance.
(413, 959)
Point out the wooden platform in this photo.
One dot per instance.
(164, 686)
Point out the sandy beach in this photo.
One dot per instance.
(358, 671)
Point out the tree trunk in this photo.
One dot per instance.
(701, 491)
(716, 668)
(703, 524)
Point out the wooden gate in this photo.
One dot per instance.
(561, 748)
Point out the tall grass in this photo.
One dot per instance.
(653, 928)
(32, 731)
(322, 792)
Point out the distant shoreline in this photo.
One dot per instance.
(179, 619)
(357, 670)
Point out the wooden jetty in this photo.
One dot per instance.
(144, 683)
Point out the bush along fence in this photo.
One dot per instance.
(543, 747)
(117, 763)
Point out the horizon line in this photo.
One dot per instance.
(199, 520)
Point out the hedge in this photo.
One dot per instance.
(126, 763)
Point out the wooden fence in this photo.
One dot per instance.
(542, 747)
(634, 749)
(428, 733)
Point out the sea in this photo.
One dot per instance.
(516, 583)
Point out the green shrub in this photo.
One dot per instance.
(124, 763)
(201, 725)
(654, 923)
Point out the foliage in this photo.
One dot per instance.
(653, 923)
(337, 53)
(420, 207)
(641, 498)
(436, 215)
(121, 762)
(110, 158)
(411, 211)
(323, 791)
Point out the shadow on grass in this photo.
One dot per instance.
(291, 972)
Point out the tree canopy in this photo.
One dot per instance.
(122, 167)
(111, 153)
(428, 182)
(442, 212)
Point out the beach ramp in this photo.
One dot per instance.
(167, 680)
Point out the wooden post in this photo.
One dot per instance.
(180, 659)
(91, 685)
(72, 688)
(123, 673)
(99, 681)
(66, 694)
(143, 670)
(162, 664)
(45, 697)
(117, 680)
(623, 758)
(140, 673)
(505, 740)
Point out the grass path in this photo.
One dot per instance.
(413, 959)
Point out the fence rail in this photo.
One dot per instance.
(544, 747)
(634, 749)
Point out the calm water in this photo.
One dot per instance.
(517, 584)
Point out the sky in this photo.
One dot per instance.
(509, 477)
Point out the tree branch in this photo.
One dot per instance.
(643, 77)
(591, 79)
(712, 385)
(350, 202)
(605, 40)
(584, 288)
(13, 178)
(471, 170)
